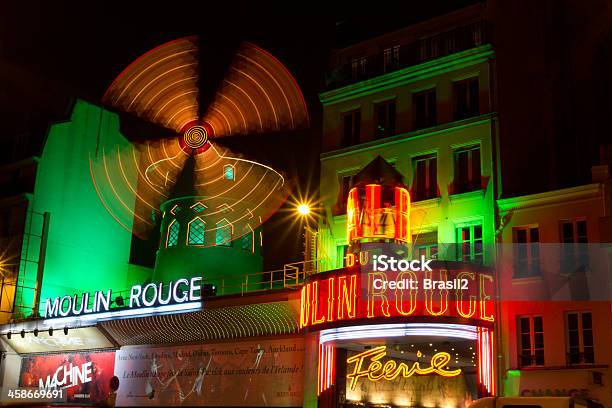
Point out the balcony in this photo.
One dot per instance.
(574, 358)
(406, 55)
(531, 360)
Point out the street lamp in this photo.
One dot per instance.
(303, 209)
(307, 215)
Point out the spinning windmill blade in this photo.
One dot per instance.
(258, 95)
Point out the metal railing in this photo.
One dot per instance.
(20, 266)
(291, 276)
(530, 360)
(577, 358)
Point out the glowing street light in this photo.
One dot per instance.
(303, 209)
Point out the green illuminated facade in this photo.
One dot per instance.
(87, 250)
(448, 210)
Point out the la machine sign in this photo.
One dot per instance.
(153, 297)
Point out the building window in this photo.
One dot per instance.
(247, 240)
(352, 128)
(531, 341)
(195, 231)
(429, 48)
(466, 98)
(224, 233)
(467, 170)
(228, 172)
(470, 244)
(574, 231)
(358, 67)
(426, 244)
(574, 253)
(391, 58)
(173, 234)
(385, 119)
(425, 183)
(580, 348)
(341, 251)
(424, 109)
(527, 251)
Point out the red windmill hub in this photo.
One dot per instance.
(195, 137)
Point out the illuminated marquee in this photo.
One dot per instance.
(182, 291)
(377, 371)
(343, 295)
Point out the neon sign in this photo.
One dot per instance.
(377, 371)
(153, 295)
(377, 211)
(342, 295)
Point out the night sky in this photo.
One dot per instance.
(53, 51)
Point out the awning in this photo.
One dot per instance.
(232, 322)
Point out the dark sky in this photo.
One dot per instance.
(51, 51)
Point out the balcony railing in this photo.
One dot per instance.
(531, 360)
(291, 276)
(576, 358)
(396, 58)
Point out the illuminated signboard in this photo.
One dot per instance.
(447, 290)
(376, 211)
(377, 371)
(82, 338)
(148, 298)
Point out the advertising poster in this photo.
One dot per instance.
(85, 377)
(254, 373)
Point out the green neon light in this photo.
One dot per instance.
(514, 373)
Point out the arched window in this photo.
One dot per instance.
(195, 231)
(224, 233)
(247, 240)
(173, 234)
(229, 172)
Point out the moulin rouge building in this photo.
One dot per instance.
(410, 167)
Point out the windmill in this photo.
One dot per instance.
(227, 191)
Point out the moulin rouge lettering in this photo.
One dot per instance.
(152, 294)
(377, 371)
(337, 297)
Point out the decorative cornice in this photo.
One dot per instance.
(413, 135)
(409, 74)
(550, 197)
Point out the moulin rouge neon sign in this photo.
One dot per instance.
(180, 292)
(342, 295)
(377, 371)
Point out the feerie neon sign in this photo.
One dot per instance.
(181, 291)
(377, 371)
